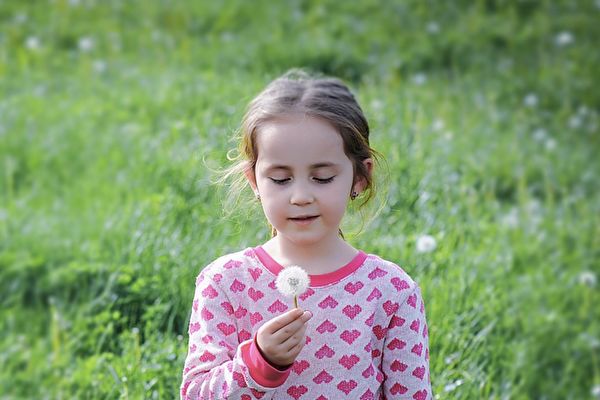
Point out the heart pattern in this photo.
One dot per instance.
(347, 386)
(255, 295)
(297, 391)
(349, 361)
(300, 366)
(352, 311)
(322, 377)
(353, 287)
(326, 326)
(375, 294)
(350, 336)
(365, 332)
(206, 315)
(324, 352)
(328, 302)
(237, 286)
(255, 273)
(277, 307)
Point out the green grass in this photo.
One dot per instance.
(486, 111)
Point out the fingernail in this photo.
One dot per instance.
(309, 314)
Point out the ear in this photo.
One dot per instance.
(361, 182)
(249, 172)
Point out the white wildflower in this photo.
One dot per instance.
(292, 281)
(20, 18)
(531, 100)
(592, 341)
(32, 43)
(438, 125)
(564, 38)
(588, 278)
(575, 121)
(453, 385)
(99, 66)
(511, 219)
(426, 244)
(377, 104)
(419, 78)
(433, 27)
(86, 44)
(423, 197)
(540, 134)
(596, 391)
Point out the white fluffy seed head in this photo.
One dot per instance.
(292, 281)
(426, 244)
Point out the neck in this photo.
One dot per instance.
(316, 258)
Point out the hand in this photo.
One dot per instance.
(282, 338)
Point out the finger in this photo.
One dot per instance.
(294, 351)
(295, 339)
(282, 320)
(292, 328)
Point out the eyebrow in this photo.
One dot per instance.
(312, 166)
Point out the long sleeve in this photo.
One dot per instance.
(222, 361)
(406, 352)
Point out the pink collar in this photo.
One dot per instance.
(315, 280)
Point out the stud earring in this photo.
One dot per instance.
(257, 196)
(353, 195)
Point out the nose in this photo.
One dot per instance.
(301, 194)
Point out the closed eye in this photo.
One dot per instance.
(326, 180)
(280, 181)
(284, 181)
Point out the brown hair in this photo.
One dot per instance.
(297, 92)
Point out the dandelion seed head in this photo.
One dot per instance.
(292, 281)
(433, 27)
(99, 66)
(85, 44)
(588, 278)
(32, 43)
(564, 38)
(426, 244)
(596, 391)
(575, 121)
(540, 134)
(531, 100)
(20, 18)
(419, 78)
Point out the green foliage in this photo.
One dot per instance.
(113, 114)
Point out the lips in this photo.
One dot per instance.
(304, 217)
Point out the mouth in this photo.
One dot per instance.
(304, 218)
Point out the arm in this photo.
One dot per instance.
(405, 360)
(218, 366)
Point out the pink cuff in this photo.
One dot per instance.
(260, 370)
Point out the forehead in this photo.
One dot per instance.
(299, 141)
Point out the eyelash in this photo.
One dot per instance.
(284, 181)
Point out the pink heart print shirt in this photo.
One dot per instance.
(367, 338)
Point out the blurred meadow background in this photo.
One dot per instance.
(113, 113)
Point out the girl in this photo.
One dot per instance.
(360, 330)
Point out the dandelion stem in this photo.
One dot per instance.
(296, 301)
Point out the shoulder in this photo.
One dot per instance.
(227, 265)
(388, 275)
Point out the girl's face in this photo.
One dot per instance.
(302, 171)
